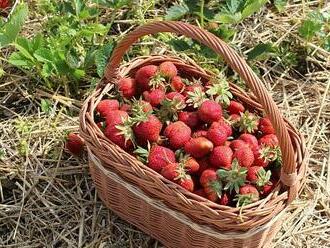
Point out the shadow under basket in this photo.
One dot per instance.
(162, 208)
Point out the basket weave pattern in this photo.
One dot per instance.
(153, 185)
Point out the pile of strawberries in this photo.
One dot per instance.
(193, 133)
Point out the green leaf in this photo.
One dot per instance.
(259, 50)
(228, 18)
(10, 30)
(46, 106)
(280, 5)
(176, 12)
(309, 28)
(181, 44)
(101, 58)
(17, 59)
(43, 55)
(252, 7)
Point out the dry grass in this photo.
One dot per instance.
(47, 198)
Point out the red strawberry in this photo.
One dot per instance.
(211, 184)
(106, 106)
(269, 140)
(249, 139)
(74, 143)
(125, 107)
(248, 122)
(207, 176)
(191, 165)
(114, 134)
(247, 195)
(126, 87)
(148, 130)
(178, 134)
(190, 118)
(175, 95)
(267, 188)
(144, 75)
(140, 107)
(177, 84)
(154, 97)
(192, 88)
(235, 108)
(203, 165)
(226, 126)
(217, 134)
(234, 118)
(115, 117)
(171, 171)
(200, 133)
(257, 175)
(237, 144)
(244, 156)
(221, 157)
(200, 192)
(224, 200)
(259, 160)
(187, 183)
(210, 111)
(227, 143)
(265, 126)
(198, 147)
(167, 69)
(4, 4)
(159, 157)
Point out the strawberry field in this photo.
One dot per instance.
(186, 127)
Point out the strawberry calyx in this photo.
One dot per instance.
(234, 178)
(169, 109)
(125, 129)
(248, 122)
(142, 154)
(270, 153)
(220, 92)
(245, 199)
(158, 80)
(263, 177)
(196, 97)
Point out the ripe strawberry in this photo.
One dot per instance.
(259, 159)
(248, 122)
(226, 125)
(207, 176)
(148, 130)
(212, 185)
(265, 126)
(175, 95)
(171, 171)
(154, 96)
(159, 157)
(269, 140)
(167, 69)
(187, 183)
(265, 154)
(224, 200)
(203, 165)
(193, 88)
(217, 134)
(140, 108)
(144, 75)
(198, 147)
(247, 195)
(122, 138)
(74, 143)
(178, 134)
(235, 108)
(257, 175)
(126, 87)
(189, 118)
(249, 139)
(126, 107)
(267, 188)
(210, 111)
(237, 144)
(4, 4)
(227, 143)
(104, 107)
(177, 84)
(169, 109)
(244, 156)
(191, 165)
(221, 157)
(200, 133)
(234, 178)
(234, 119)
(115, 117)
(200, 192)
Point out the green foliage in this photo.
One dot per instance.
(46, 106)
(280, 5)
(260, 50)
(176, 12)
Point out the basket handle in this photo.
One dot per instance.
(288, 173)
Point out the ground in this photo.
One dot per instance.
(47, 198)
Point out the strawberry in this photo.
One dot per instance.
(244, 156)
(203, 165)
(237, 144)
(175, 95)
(104, 107)
(249, 139)
(121, 133)
(191, 89)
(200, 192)
(217, 134)
(207, 176)
(247, 195)
(148, 130)
(210, 111)
(126, 107)
(221, 157)
(189, 118)
(234, 178)
(191, 165)
(198, 147)
(140, 108)
(126, 87)
(74, 143)
(267, 188)
(227, 143)
(200, 133)
(178, 134)
(154, 96)
(159, 157)
(235, 108)
(234, 119)
(171, 171)
(177, 84)
(269, 140)
(212, 185)
(115, 117)
(4, 4)
(265, 154)
(248, 122)
(259, 160)
(226, 125)
(167, 69)
(265, 126)
(170, 108)
(224, 200)
(187, 183)
(144, 75)
(257, 175)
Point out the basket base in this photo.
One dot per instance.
(170, 227)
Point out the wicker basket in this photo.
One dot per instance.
(162, 208)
